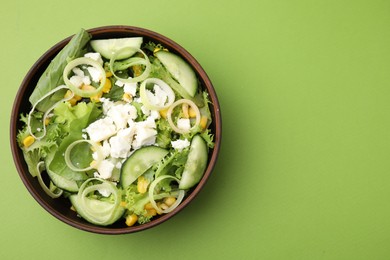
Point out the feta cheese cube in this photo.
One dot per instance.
(105, 168)
(121, 113)
(121, 143)
(95, 56)
(184, 124)
(77, 81)
(144, 136)
(95, 73)
(145, 133)
(130, 88)
(180, 144)
(101, 129)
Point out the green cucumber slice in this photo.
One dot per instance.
(97, 206)
(180, 70)
(196, 163)
(139, 162)
(107, 47)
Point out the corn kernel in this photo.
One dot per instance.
(108, 74)
(47, 121)
(68, 94)
(151, 212)
(137, 69)
(163, 206)
(96, 98)
(123, 204)
(191, 112)
(184, 108)
(131, 220)
(163, 113)
(107, 86)
(142, 184)
(203, 122)
(78, 98)
(169, 201)
(127, 97)
(87, 88)
(148, 206)
(29, 140)
(72, 101)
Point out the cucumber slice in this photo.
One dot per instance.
(180, 70)
(107, 47)
(196, 163)
(63, 183)
(97, 206)
(139, 162)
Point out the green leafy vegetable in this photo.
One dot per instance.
(75, 119)
(52, 77)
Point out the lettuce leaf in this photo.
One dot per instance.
(52, 76)
(73, 119)
(40, 148)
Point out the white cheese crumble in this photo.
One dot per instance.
(159, 97)
(180, 144)
(184, 124)
(104, 169)
(120, 135)
(94, 56)
(95, 73)
(101, 129)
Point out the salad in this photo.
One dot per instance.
(120, 127)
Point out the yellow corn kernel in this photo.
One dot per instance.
(68, 94)
(163, 206)
(127, 97)
(148, 206)
(142, 184)
(29, 140)
(137, 69)
(151, 212)
(203, 122)
(163, 113)
(131, 220)
(191, 112)
(108, 74)
(169, 201)
(159, 49)
(123, 204)
(47, 121)
(95, 98)
(107, 86)
(78, 98)
(156, 50)
(72, 101)
(184, 108)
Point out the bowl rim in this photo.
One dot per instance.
(101, 32)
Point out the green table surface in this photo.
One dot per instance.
(304, 169)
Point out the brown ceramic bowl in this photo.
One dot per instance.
(60, 208)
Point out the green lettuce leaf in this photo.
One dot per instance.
(74, 119)
(36, 152)
(52, 76)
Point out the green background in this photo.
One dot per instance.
(304, 169)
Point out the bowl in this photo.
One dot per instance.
(60, 208)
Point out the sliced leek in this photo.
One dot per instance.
(79, 91)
